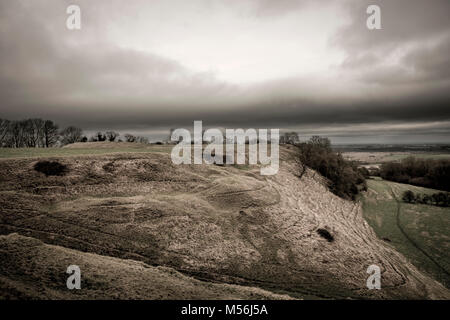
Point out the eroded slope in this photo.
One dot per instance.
(227, 224)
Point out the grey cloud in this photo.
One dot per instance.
(420, 65)
(83, 79)
(420, 30)
(402, 21)
(43, 72)
(431, 63)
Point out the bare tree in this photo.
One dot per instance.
(28, 133)
(71, 135)
(130, 137)
(101, 136)
(23, 133)
(39, 126)
(17, 135)
(4, 131)
(111, 136)
(290, 138)
(50, 133)
(33, 132)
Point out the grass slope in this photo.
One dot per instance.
(88, 148)
(418, 231)
(31, 269)
(218, 224)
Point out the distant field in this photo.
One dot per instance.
(420, 232)
(90, 149)
(395, 157)
(380, 157)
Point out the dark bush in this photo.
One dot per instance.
(50, 168)
(324, 233)
(374, 171)
(345, 180)
(364, 172)
(408, 196)
(426, 199)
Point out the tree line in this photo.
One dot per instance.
(113, 136)
(428, 173)
(441, 199)
(345, 179)
(28, 133)
(39, 133)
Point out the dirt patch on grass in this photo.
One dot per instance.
(51, 168)
(324, 233)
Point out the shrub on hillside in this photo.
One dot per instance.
(364, 172)
(374, 171)
(408, 196)
(324, 233)
(345, 180)
(50, 168)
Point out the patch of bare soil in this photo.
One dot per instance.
(222, 224)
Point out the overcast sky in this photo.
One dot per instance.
(313, 66)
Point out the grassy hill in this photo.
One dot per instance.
(86, 148)
(216, 224)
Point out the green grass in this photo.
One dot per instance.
(420, 232)
(63, 152)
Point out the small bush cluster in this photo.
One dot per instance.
(441, 199)
(50, 168)
(324, 233)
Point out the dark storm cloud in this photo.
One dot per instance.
(431, 63)
(419, 28)
(402, 21)
(50, 71)
(399, 74)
